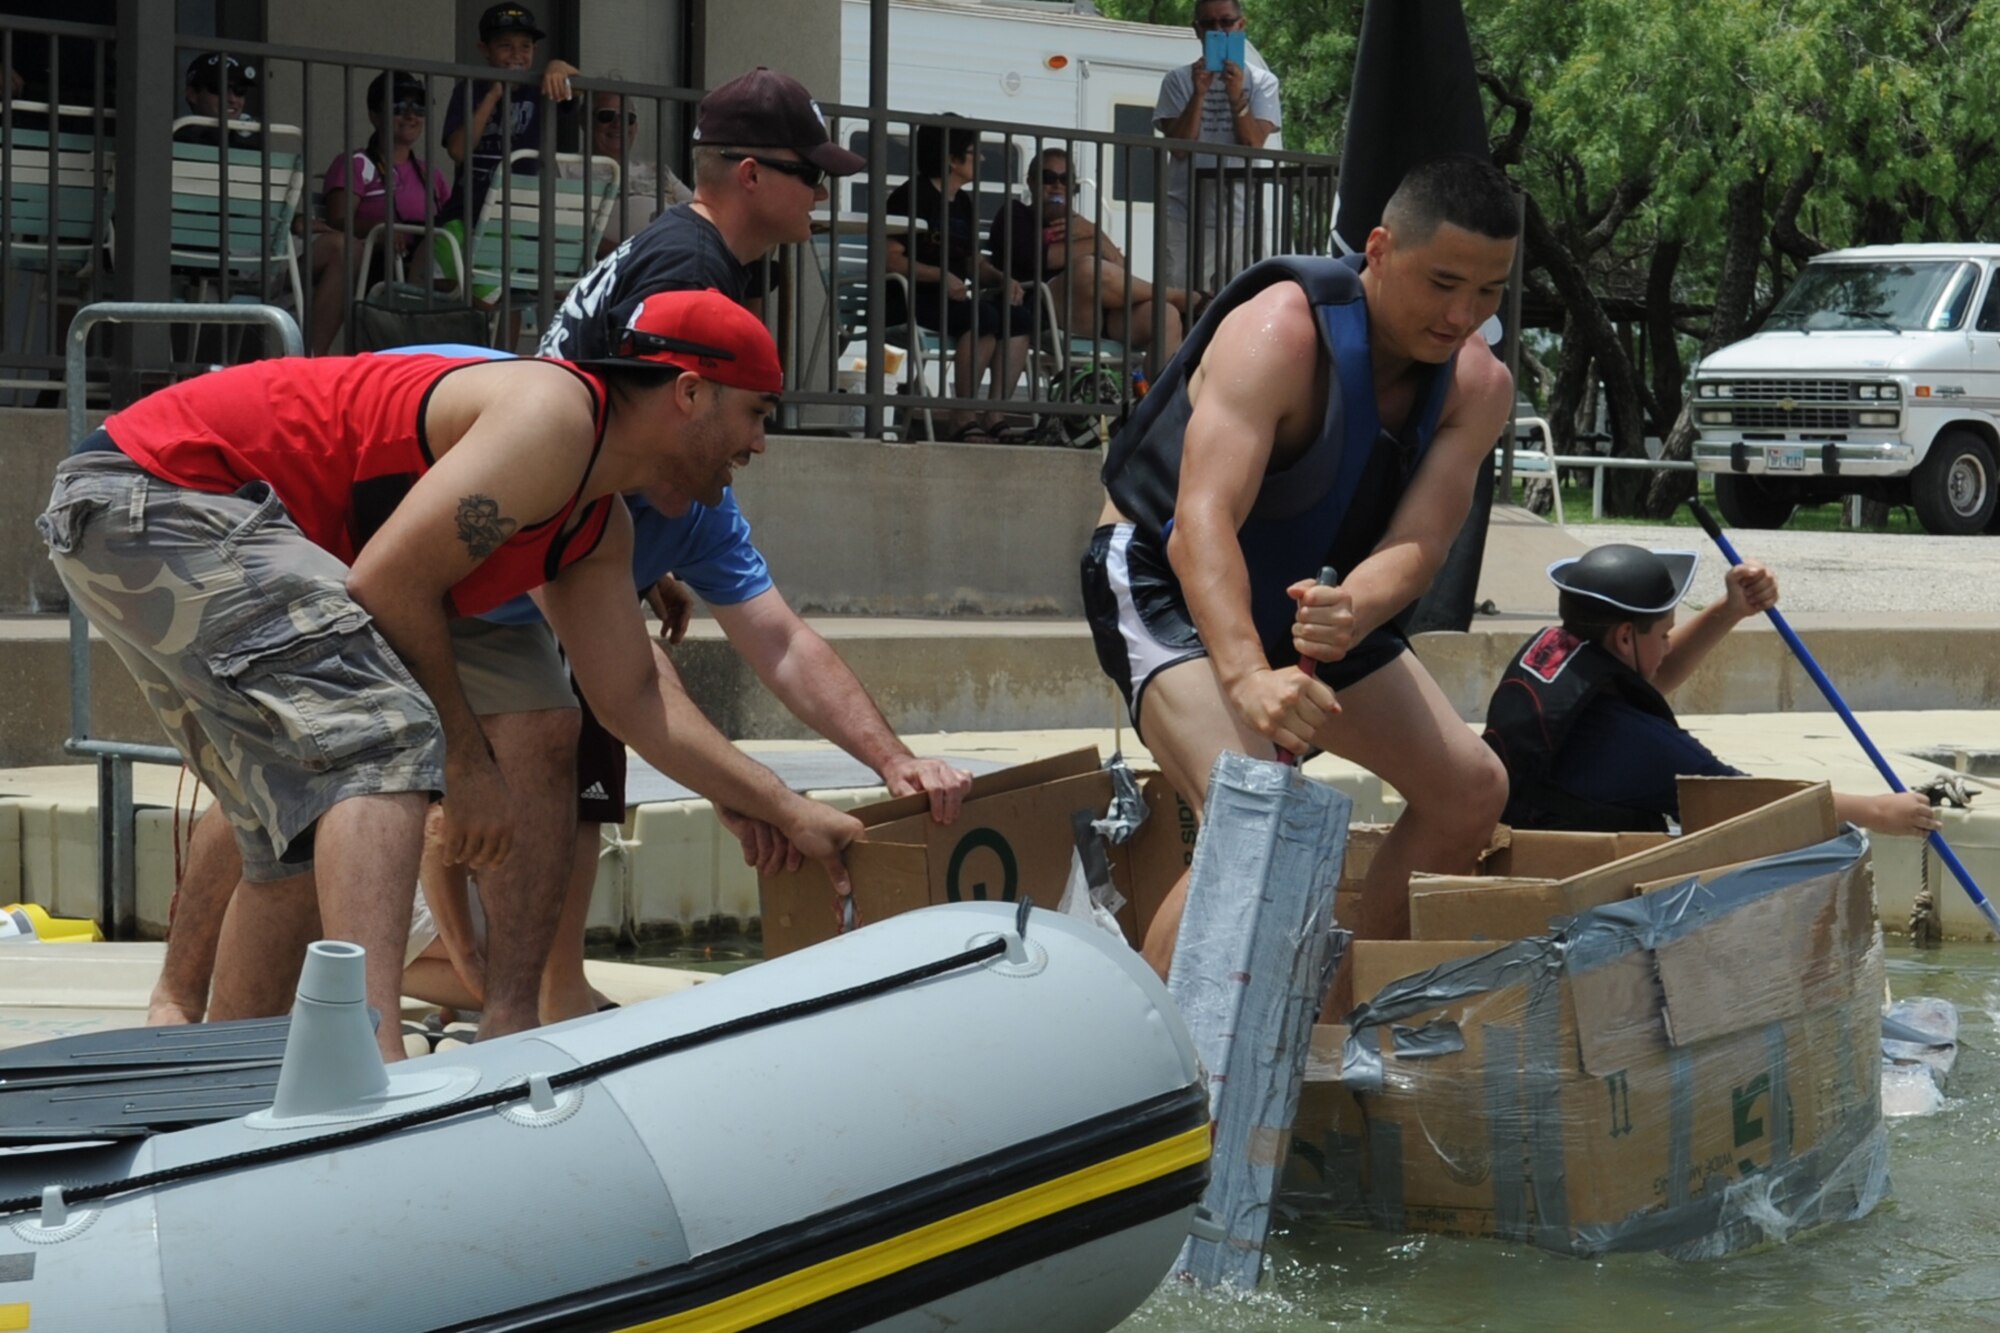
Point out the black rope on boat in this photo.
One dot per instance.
(513, 1092)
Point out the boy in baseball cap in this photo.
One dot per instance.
(218, 86)
(484, 122)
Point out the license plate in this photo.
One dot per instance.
(1785, 460)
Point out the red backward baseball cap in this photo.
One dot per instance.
(704, 333)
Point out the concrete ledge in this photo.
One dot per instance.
(1938, 664)
(859, 527)
(974, 674)
(673, 870)
(850, 527)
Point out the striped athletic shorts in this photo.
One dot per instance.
(267, 676)
(1140, 623)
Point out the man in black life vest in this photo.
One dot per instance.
(1580, 716)
(1316, 416)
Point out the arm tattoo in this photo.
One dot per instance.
(481, 525)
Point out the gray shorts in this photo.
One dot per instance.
(509, 668)
(239, 631)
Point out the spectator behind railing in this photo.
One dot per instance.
(219, 86)
(940, 256)
(382, 182)
(1084, 268)
(1208, 228)
(485, 121)
(613, 129)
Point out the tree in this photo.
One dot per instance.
(1683, 162)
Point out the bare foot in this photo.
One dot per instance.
(165, 1013)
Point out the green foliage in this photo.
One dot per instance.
(1856, 121)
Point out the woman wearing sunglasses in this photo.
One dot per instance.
(1048, 241)
(381, 182)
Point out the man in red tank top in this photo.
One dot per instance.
(274, 551)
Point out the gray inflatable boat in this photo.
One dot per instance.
(969, 1117)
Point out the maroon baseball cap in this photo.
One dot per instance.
(704, 333)
(766, 109)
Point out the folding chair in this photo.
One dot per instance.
(233, 208)
(55, 216)
(505, 250)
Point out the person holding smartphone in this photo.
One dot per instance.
(1212, 100)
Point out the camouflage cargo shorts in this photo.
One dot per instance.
(267, 676)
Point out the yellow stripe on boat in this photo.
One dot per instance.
(809, 1286)
(13, 1318)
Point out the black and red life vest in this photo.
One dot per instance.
(1545, 689)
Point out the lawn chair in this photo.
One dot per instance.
(55, 212)
(233, 210)
(505, 250)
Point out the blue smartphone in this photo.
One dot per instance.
(1218, 47)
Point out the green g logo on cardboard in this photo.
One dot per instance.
(1010, 872)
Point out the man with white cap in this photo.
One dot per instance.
(1580, 717)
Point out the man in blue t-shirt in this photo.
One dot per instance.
(1580, 717)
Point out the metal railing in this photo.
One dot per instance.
(1273, 201)
(117, 867)
(1071, 369)
(1517, 463)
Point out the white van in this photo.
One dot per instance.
(1877, 375)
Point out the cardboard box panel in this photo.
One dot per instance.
(1797, 820)
(1622, 1130)
(1012, 837)
(1555, 854)
(1477, 907)
(889, 879)
(1706, 802)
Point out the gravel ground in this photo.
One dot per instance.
(1839, 571)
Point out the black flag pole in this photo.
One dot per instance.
(1415, 97)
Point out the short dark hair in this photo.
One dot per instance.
(1041, 163)
(1459, 189)
(1593, 620)
(938, 146)
(624, 381)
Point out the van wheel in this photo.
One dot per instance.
(1748, 502)
(1953, 488)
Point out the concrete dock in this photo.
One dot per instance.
(946, 576)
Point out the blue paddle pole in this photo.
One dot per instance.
(1936, 839)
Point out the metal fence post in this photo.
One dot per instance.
(117, 859)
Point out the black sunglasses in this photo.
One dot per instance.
(1055, 178)
(641, 343)
(805, 172)
(606, 116)
(1216, 25)
(408, 108)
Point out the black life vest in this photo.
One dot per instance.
(1543, 692)
(1331, 505)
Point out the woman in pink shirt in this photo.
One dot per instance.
(381, 182)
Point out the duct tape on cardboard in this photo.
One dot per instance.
(1637, 1079)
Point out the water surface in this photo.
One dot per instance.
(1926, 1260)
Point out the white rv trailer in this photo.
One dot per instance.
(1033, 64)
